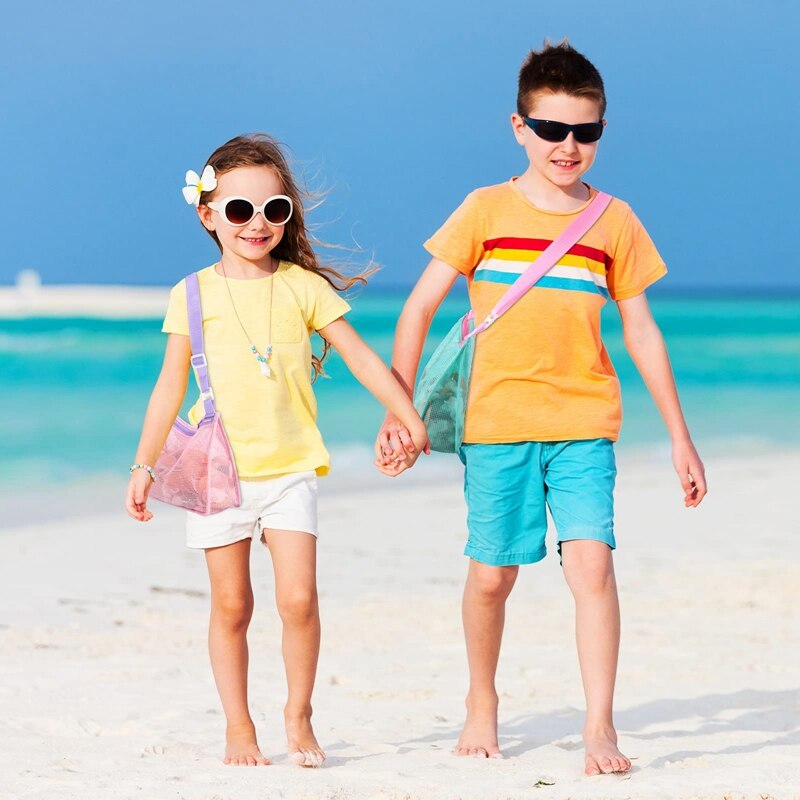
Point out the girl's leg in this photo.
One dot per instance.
(483, 612)
(294, 559)
(231, 610)
(589, 570)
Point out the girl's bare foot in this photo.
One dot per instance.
(241, 747)
(479, 735)
(301, 744)
(602, 754)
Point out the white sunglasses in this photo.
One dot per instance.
(239, 211)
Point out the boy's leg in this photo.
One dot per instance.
(589, 570)
(231, 611)
(483, 609)
(506, 518)
(580, 477)
(294, 559)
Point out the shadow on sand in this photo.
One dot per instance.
(775, 715)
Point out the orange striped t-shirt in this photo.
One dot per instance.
(541, 372)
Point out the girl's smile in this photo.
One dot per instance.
(257, 241)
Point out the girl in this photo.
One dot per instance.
(260, 302)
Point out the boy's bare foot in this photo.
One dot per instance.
(602, 754)
(479, 735)
(241, 748)
(301, 744)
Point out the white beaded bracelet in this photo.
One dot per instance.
(149, 469)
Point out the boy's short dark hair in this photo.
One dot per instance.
(559, 68)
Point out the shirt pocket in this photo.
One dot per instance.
(287, 325)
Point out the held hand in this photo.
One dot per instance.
(392, 470)
(136, 496)
(691, 473)
(395, 467)
(395, 443)
(397, 449)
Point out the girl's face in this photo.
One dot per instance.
(254, 241)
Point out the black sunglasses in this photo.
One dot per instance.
(551, 131)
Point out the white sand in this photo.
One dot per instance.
(106, 690)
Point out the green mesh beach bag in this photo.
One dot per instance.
(443, 387)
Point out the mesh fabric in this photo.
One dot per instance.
(196, 470)
(442, 390)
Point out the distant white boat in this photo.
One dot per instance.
(29, 298)
(29, 283)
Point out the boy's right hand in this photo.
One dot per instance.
(397, 448)
(136, 496)
(393, 442)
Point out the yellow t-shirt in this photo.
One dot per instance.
(541, 372)
(270, 422)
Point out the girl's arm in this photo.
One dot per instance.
(646, 346)
(165, 403)
(372, 373)
(409, 339)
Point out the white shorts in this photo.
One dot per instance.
(288, 502)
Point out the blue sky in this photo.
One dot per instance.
(400, 109)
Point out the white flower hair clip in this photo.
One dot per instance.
(196, 184)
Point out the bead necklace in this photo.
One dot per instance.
(263, 360)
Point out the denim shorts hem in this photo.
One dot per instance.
(501, 559)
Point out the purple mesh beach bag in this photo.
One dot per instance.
(196, 470)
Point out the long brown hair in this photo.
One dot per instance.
(297, 244)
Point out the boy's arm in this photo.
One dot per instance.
(412, 327)
(373, 374)
(646, 346)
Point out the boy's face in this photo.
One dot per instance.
(559, 163)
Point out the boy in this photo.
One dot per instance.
(544, 405)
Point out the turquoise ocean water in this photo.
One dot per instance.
(75, 390)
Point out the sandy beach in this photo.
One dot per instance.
(107, 692)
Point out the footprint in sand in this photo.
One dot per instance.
(569, 744)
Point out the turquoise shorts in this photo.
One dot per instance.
(508, 487)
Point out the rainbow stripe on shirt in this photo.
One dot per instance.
(582, 269)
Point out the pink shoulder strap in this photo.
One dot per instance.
(551, 256)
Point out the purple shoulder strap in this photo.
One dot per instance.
(556, 250)
(199, 363)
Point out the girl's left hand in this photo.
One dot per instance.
(136, 496)
(691, 472)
